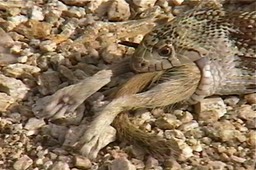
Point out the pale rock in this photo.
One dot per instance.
(189, 126)
(178, 141)
(34, 123)
(122, 163)
(210, 109)
(59, 165)
(99, 7)
(49, 82)
(246, 112)
(177, 2)
(36, 13)
(17, 70)
(169, 121)
(48, 46)
(252, 139)
(13, 87)
(186, 117)
(119, 10)
(22, 59)
(16, 20)
(231, 101)
(5, 101)
(238, 159)
(76, 12)
(152, 163)
(195, 145)
(250, 98)
(82, 162)
(23, 163)
(144, 3)
(111, 52)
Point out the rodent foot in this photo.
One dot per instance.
(94, 139)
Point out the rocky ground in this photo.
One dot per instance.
(56, 43)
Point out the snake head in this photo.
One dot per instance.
(156, 55)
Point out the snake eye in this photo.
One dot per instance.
(165, 51)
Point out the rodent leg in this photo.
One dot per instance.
(175, 89)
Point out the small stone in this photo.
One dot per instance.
(217, 165)
(195, 145)
(13, 87)
(252, 139)
(189, 126)
(246, 112)
(152, 163)
(18, 70)
(231, 101)
(169, 134)
(16, 20)
(250, 98)
(36, 13)
(82, 162)
(5, 101)
(111, 52)
(238, 159)
(119, 10)
(73, 11)
(23, 163)
(34, 123)
(172, 164)
(169, 121)
(49, 82)
(48, 46)
(60, 165)
(186, 117)
(251, 124)
(122, 163)
(144, 4)
(210, 109)
(177, 2)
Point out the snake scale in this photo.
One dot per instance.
(220, 42)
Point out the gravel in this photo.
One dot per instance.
(57, 43)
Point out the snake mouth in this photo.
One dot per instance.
(150, 65)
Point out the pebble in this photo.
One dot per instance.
(48, 46)
(119, 10)
(5, 101)
(34, 123)
(18, 70)
(82, 162)
(122, 163)
(252, 139)
(144, 4)
(186, 117)
(189, 126)
(250, 98)
(246, 112)
(36, 13)
(59, 165)
(231, 101)
(23, 163)
(48, 82)
(251, 123)
(210, 109)
(152, 163)
(238, 159)
(15, 88)
(169, 121)
(77, 12)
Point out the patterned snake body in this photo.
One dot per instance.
(221, 43)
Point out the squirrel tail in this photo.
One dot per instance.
(151, 143)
